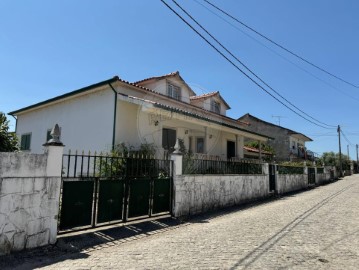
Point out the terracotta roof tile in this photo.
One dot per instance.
(204, 95)
(158, 77)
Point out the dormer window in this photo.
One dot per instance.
(173, 91)
(215, 106)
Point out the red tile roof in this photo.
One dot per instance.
(204, 95)
(211, 94)
(158, 77)
(255, 150)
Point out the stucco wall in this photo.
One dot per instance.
(323, 178)
(86, 122)
(195, 194)
(291, 182)
(29, 199)
(281, 141)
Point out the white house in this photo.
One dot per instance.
(155, 110)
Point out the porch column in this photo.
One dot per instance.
(240, 147)
(205, 141)
(237, 142)
(260, 150)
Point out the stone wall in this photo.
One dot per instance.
(29, 199)
(195, 194)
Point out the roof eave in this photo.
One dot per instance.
(69, 94)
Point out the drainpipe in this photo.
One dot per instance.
(114, 117)
(15, 123)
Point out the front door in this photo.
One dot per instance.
(231, 149)
(168, 139)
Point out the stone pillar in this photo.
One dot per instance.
(265, 169)
(177, 158)
(54, 150)
(317, 182)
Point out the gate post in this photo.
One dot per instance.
(54, 151)
(177, 158)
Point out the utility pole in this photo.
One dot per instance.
(340, 155)
(348, 151)
(357, 159)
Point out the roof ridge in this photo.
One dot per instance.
(158, 77)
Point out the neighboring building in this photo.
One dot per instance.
(288, 145)
(156, 110)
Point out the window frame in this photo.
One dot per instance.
(215, 106)
(202, 138)
(25, 145)
(173, 91)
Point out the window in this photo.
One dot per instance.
(215, 106)
(168, 139)
(173, 91)
(25, 141)
(48, 135)
(200, 145)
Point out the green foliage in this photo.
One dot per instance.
(123, 160)
(332, 159)
(286, 169)
(264, 147)
(8, 140)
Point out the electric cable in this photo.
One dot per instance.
(246, 67)
(236, 66)
(278, 54)
(281, 46)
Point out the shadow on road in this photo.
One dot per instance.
(73, 247)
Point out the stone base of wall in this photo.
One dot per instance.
(27, 207)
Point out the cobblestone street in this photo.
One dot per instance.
(316, 229)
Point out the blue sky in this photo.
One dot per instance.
(48, 48)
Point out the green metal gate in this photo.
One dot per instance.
(76, 203)
(98, 190)
(110, 200)
(311, 176)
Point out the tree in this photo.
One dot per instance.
(8, 140)
(332, 159)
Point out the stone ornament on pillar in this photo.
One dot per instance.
(55, 134)
(177, 148)
(177, 157)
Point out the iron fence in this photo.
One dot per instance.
(282, 169)
(113, 166)
(203, 166)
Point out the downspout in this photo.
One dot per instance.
(15, 123)
(114, 118)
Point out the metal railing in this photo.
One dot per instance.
(113, 166)
(283, 169)
(203, 166)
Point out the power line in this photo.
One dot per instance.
(345, 137)
(281, 46)
(278, 54)
(239, 69)
(246, 67)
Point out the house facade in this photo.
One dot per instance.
(288, 145)
(156, 110)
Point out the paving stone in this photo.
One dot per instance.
(316, 229)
